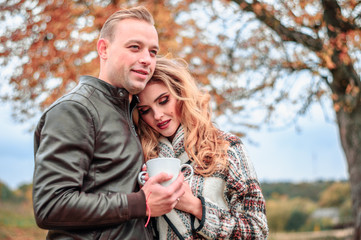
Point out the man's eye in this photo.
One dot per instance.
(134, 47)
(154, 53)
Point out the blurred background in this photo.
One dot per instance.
(284, 76)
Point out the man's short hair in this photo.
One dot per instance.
(140, 13)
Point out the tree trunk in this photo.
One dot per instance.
(350, 135)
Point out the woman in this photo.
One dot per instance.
(223, 199)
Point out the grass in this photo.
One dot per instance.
(341, 234)
(17, 222)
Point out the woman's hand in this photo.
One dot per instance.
(189, 203)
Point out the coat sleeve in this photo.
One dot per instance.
(245, 217)
(64, 143)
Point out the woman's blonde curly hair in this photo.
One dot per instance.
(203, 142)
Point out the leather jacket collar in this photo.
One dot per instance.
(105, 87)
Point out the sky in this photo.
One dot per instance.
(313, 154)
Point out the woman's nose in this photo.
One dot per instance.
(158, 115)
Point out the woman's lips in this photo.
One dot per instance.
(163, 124)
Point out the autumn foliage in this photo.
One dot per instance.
(56, 43)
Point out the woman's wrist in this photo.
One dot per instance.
(196, 208)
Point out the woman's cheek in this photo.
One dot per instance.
(149, 121)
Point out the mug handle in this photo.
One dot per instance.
(190, 168)
(141, 175)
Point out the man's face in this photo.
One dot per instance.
(131, 56)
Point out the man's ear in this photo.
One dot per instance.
(102, 47)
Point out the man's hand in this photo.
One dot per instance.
(162, 199)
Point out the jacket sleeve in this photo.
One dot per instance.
(64, 144)
(246, 216)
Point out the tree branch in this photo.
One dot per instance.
(337, 27)
(287, 34)
(332, 16)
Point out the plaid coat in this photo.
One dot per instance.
(233, 204)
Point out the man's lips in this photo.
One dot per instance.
(163, 125)
(141, 71)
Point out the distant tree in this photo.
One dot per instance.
(296, 220)
(310, 190)
(278, 212)
(335, 195)
(24, 192)
(282, 212)
(346, 212)
(5, 193)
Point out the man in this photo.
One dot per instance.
(87, 153)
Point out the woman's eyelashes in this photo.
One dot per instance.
(143, 111)
(164, 100)
(161, 101)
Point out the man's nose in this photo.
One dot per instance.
(145, 58)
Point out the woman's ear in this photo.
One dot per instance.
(102, 47)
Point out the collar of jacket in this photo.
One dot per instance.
(107, 89)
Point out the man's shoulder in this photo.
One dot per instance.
(82, 95)
(82, 91)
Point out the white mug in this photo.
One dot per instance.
(167, 165)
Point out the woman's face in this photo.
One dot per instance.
(158, 108)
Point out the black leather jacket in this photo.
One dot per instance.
(87, 157)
